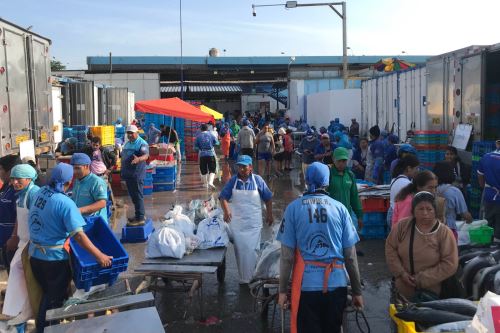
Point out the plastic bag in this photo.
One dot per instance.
(213, 231)
(268, 263)
(202, 208)
(180, 221)
(487, 316)
(166, 242)
(192, 243)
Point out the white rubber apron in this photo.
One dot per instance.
(16, 297)
(246, 227)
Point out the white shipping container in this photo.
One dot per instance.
(326, 106)
(395, 101)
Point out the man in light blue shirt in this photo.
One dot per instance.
(204, 145)
(318, 240)
(53, 218)
(153, 134)
(90, 192)
(134, 156)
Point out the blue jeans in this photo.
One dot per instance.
(135, 190)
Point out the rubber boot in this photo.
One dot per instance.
(204, 180)
(211, 178)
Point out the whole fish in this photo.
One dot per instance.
(458, 326)
(427, 317)
(464, 258)
(474, 266)
(455, 305)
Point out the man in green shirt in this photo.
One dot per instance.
(343, 185)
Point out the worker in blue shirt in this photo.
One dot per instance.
(241, 199)
(53, 218)
(153, 134)
(7, 209)
(90, 192)
(17, 303)
(489, 178)
(375, 160)
(318, 240)
(204, 145)
(134, 156)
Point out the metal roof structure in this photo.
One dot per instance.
(215, 88)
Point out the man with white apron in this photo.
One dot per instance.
(489, 178)
(318, 240)
(16, 298)
(245, 192)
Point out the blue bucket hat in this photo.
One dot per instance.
(80, 159)
(407, 148)
(309, 132)
(317, 176)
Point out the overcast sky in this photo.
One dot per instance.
(80, 28)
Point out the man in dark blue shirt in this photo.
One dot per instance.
(7, 209)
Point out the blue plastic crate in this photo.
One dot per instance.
(163, 187)
(165, 171)
(374, 232)
(374, 219)
(86, 271)
(137, 234)
(147, 190)
(163, 179)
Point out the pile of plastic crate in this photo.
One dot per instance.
(106, 133)
(474, 192)
(374, 217)
(80, 133)
(431, 147)
(191, 128)
(164, 177)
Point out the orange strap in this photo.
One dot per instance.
(328, 269)
(298, 272)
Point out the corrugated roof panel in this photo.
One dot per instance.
(202, 88)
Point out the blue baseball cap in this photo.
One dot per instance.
(309, 132)
(244, 160)
(407, 148)
(80, 159)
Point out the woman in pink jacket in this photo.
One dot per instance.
(423, 181)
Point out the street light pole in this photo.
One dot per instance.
(343, 16)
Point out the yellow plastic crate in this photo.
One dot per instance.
(106, 133)
(403, 326)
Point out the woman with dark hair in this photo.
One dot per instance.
(404, 171)
(461, 171)
(423, 181)
(420, 251)
(455, 202)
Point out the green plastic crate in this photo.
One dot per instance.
(481, 235)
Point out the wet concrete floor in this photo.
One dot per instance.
(230, 303)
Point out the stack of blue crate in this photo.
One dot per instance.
(67, 132)
(80, 133)
(164, 177)
(374, 225)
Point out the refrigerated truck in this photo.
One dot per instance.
(459, 87)
(25, 89)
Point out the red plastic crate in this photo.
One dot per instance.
(379, 205)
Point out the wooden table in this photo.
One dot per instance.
(144, 320)
(190, 268)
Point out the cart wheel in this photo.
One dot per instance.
(221, 272)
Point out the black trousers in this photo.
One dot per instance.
(54, 278)
(321, 313)
(207, 164)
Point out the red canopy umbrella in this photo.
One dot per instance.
(174, 107)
